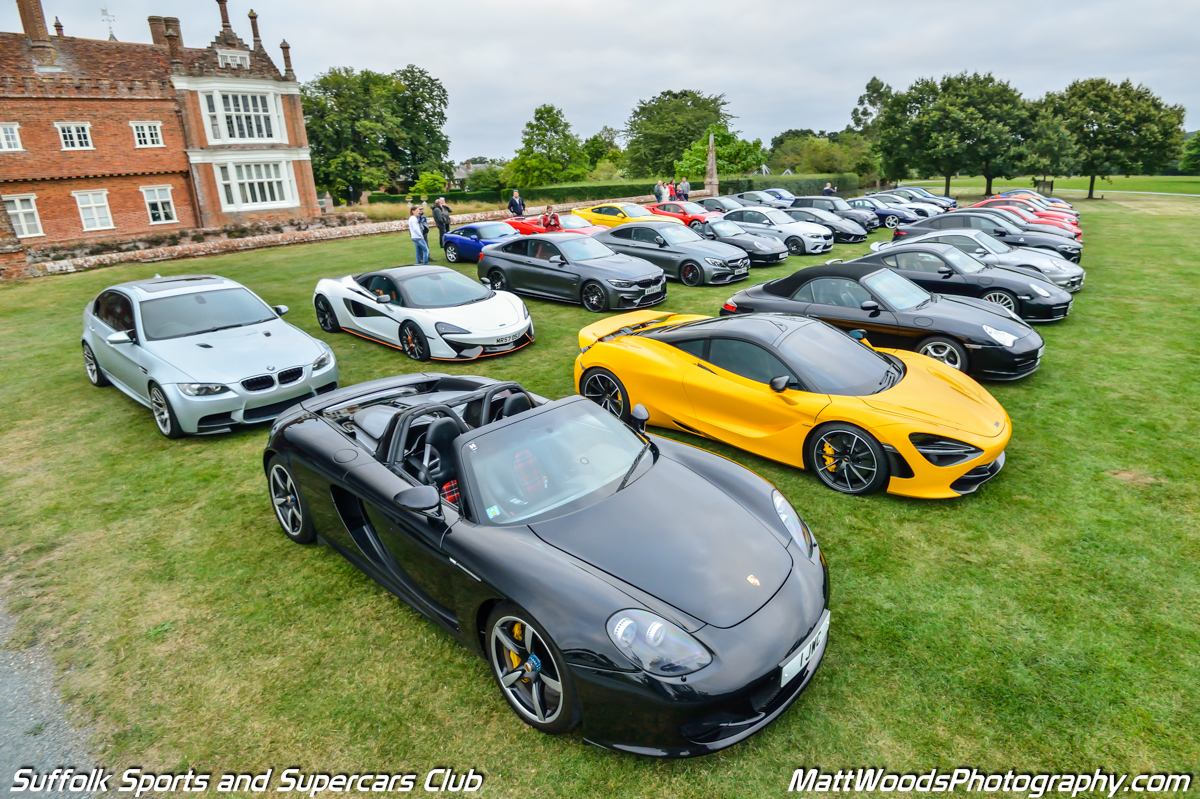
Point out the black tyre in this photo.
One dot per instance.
(95, 374)
(691, 275)
(947, 350)
(892, 222)
(164, 414)
(452, 254)
(291, 511)
(530, 671)
(606, 390)
(1005, 299)
(696, 225)
(795, 246)
(593, 297)
(847, 458)
(326, 317)
(499, 281)
(413, 342)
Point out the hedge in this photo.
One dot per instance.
(800, 185)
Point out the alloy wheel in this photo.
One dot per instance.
(325, 316)
(604, 391)
(89, 363)
(795, 246)
(1001, 298)
(452, 253)
(891, 222)
(411, 343)
(847, 462)
(499, 283)
(286, 501)
(593, 297)
(941, 351)
(162, 411)
(527, 669)
(690, 275)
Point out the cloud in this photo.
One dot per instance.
(780, 63)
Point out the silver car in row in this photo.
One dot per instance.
(202, 352)
(801, 238)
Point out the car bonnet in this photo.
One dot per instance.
(499, 310)
(227, 356)
(696, 554)
(930, 392)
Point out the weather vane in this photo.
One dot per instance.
(109, 18)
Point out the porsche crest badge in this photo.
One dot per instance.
(752, 580)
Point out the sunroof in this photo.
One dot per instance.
(167, 283)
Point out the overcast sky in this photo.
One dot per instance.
(780, 63)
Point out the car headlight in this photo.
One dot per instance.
(1039, 289)
(445, 328)
(759, 245)
(202, 389)
(325, 359)
(715, 262)
(794, 524)
(1067, 248)
(621, 284)
(1007, 339)
(941, 451)
(655, 644)
(524, 311)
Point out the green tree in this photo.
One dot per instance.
(1121, 129)
(659, 130)
(488, 178)
(815, 155)
(550, 152)
(865, 116)
(792, 135)
(421, 109)
(429, 183)
(734, 156)
(1003, 119)
(602, 146)
(1189, 164)
(1050, 148)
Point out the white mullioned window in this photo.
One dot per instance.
(159, 204)
(10, 136)
(22, 210)
(241, 116)
(245, 185)
(147, 134)
(75, 135)
(93, 209)
(233, 58)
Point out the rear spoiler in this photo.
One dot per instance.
(596, 330)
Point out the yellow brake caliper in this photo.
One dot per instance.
(828, 454)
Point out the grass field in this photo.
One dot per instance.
(1174, 184)
(1050, 622)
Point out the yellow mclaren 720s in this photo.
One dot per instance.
(801, 392)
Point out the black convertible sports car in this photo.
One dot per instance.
(945, 269)
(977, 337)
(667, 599)
(763, 250)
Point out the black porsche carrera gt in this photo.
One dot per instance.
(980, 338)
(669, 600)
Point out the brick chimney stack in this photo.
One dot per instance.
(58, 28)
(288, 74)
(33, 21)
(176, 59)
(226, 28)
(254, 28)
(158, 30)
(172, 24)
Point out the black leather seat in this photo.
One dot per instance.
(514, 404)
(437, 461)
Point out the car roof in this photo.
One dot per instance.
(786, 286)
(928, 246)
(175, 284)
(554, 236)
(411, 270)
(764, 327)
(659, 222)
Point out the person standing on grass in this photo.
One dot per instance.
(550, 221)
(418, 239)
(684, 190)
(658, 192)
(671, 190)
(516, 206)
(829, 190)
(441, 218)
(424, 221)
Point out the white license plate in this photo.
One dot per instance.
(509, 339)
(741, 270)
(781, 257)
(799, 660)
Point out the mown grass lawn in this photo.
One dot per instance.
(1175, 184)
(1049, 622)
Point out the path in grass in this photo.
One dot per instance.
(1049, 622)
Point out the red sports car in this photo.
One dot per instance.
(1029, 208)
(1030, 219)
(689, 213)
(570, 224)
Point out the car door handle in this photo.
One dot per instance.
(529, 262)
(705, 368)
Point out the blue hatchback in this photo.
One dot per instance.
(466, 242)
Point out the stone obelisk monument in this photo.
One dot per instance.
(710, 174)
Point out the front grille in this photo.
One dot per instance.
(215, 420)
(651, 299)
(291, 375)
(1060, 310)
(647, 283)
(271, 411)
(740, 263)
(260, 383)
(325, 389)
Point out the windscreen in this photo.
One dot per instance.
(497, 230)
(202, 312)
(678, 234)
(576, 454)
(636, 211)
(898, 292)
(840, 204)
(723, 228)
(584, 249)
(693, 208)
(833, 363)
(776, 216)
(992, 243)
(572, 222)
(783, 194)
(823, 215)
(962, 261)
(442, 290)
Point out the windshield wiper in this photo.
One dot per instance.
(633, 466)
(223, 327)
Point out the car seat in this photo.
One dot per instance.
(514, 404)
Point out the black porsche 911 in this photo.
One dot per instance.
(945, 269)
(977, 337)
(668, 600)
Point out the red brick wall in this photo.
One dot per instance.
(59, 213)
(112, 137)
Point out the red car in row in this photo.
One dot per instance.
(1029, 216)
(570, 224)
(689, 213)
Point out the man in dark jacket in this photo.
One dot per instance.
(516, 206)
(829, 190)
(441, 218)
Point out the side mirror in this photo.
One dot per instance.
(945, 271)
(383, 299)
(870, 305)
(556, 259)
(660, 241)
(120, 337)
(980, 252)
(778, 384)
(833, 261)
(485, 282)
(640, 417)
(858, 335)
(708, 234)
(997, 232)
(418, 498)
(280, 310)
(473, 237)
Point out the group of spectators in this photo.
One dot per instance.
(418, 227)
(666, 192)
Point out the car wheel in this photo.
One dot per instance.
(94, 372)
(452, 254)
(499, 282)
(593, 297)
(891, 222)
(946, 350)
(413, 341)
(691, 275)
(605, 389)
(1002, 298)
(290, 509)
(847, 459)
(164, 414)
(326, 318)
(696, 225)
(530, 671)
(795, 246)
